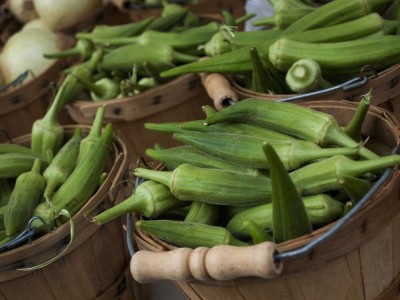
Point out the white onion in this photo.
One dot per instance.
(60, 14)
(36, 24)
(23, 10)
(24, 51)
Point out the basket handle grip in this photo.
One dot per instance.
(218, 88)
(222, 262)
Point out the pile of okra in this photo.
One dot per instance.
(256, 171)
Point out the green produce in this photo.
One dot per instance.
(25, 196)
(185, 234)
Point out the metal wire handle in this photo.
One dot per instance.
(17, 81)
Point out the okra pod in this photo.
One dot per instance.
(305, 76)
(322, 176)
(355, 188)
(47, 132)
(176, 156)
(94, 134)
(204, 213)
(83, 48)
(151, 199)
(12, 165)
(123, 58)
(338, 57)
(111, 31)
(336, 12)
(258, 235)
(289, 216)
(305, 123)
(185, 234)
(25, 196)
(283, 18)
(18, 149)
(6, 188)
(353, 128)
(167, 21)
(214, 186)
(62, 164)
(322, 209)
(247, 150)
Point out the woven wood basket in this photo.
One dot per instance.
(385, 90)
(94, 266)
(359, 261)
(179, 100)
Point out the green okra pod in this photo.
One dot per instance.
(201, 212)
(305, 123)
(353, 128)
(151, 199)
(322, 209)
(247, 150)
(83, 48)
(124, 57)
(262, 80)
(176, 156)
(289, 216)
(336, 12)
(214, 186)
(185, 234)
(322, 176)
(47, 132)
(305, 76)
(6, 188)
(168, 21)
(25, 196)
(12, 165)
(355, 188)
(283, 18)
(102, 89)
(258, 235)
(94, 134)
(338, 57)
(111, 31)
(62, 164)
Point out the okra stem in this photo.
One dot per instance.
(353, 128)
(84, 48)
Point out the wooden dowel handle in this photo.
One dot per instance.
(221, 262)
(218, 89)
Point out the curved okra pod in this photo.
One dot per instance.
(215, 186)
(246, 151)
(289, 216)
(151, 199)
(305, 123)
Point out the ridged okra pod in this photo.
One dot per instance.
(94, 134)
(18, 149)
(322, 176)
(339, 57)
(258, 235)
(151, 199)
(353, 128)
(289, 118)
(176, 156)
(6, 188)
(83, 48)
(336, 12)
(47, 132)
(124, 57)
(62, 165)
(321, 209)
(178, 40)
(24, 198)
(111, 31)
(189, 234)
(205, 213)
(305, 76)
(354, 187)
(214, 186)
(12, 165)
(247, 150)
(80, 185)
(289, 216)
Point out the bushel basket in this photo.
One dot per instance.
(95, 264)
(355, 257)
